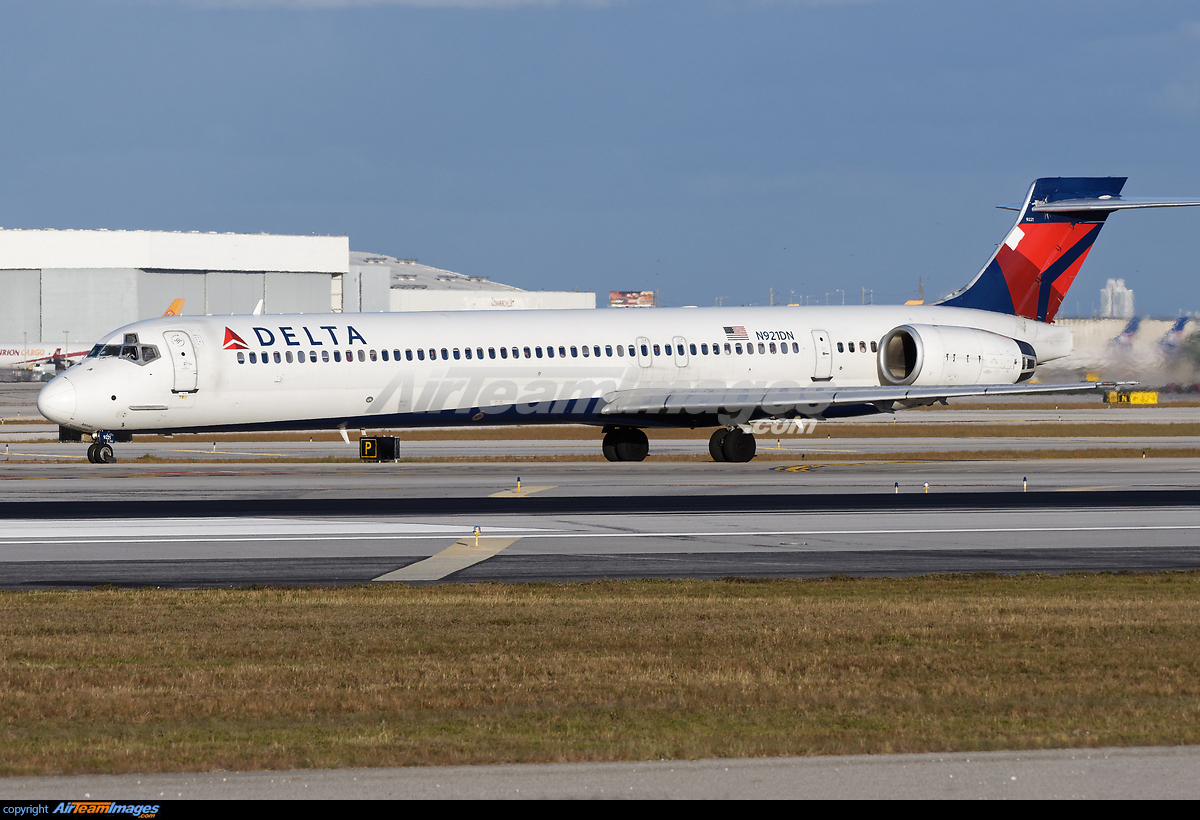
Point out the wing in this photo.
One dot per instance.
(812, 401)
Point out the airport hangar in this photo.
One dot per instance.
(87, 283)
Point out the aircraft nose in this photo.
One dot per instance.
(56, 401)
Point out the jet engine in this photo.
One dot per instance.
(945, 354)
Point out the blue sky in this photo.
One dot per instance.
(704, 148)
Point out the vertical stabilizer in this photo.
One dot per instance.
(1033, 267)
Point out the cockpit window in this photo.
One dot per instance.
(138, 354)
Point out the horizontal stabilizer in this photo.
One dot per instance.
(1109, 203)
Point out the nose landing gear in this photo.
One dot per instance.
(731, 445)
(101, 454)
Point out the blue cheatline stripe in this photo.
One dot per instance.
(1060, 267)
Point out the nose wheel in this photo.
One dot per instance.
(101, 454)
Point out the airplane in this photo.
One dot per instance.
(621, 370)
(21, 356)
(24, 357)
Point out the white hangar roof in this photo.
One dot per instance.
(170, 250)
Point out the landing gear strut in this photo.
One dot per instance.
(625, 444)
(731, 445)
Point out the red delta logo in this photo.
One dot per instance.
(234, 341)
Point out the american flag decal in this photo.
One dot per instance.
(737, 333)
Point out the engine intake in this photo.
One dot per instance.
(946, 354)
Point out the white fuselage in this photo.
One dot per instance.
(312, 371)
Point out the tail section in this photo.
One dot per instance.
(1030, 272)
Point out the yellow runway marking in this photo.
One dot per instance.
(46, 455)
(1096, 487)
(224, 453)
(461, 554)
(521, 493)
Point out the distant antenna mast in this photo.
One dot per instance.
(920, 289)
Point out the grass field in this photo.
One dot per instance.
(176, 680)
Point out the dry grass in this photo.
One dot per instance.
(158, 680)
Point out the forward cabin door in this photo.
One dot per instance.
(183, 359)
(823, 368)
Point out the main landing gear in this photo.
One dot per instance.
(101, 454)
(731, 445)
(625, 444)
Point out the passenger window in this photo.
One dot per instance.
(738, 348)
(407, 354)
(421, 354)
(383, 354)
(596, 350)
(253, 358)
(727, 348)
(372, 355)
(362, 357)
(840, 350)
(762, 348)
(783, 347)
(457, 353)
(432, 355)
(703, 348)
(562, 352)
(539, 352)
(467, 352)
(645, 351)
(445, 354)
(491, 353)
(479, 353)
(242, 357)
(300, 356)
(516, 353)
(277, 359)
(585, 351)
(862, 347)
(528, 355)
(692, 347)
(337, 355)
(656, 350)
(504, 353)
(288, 355)
(574, 352)
(620, 350)
(325, 355)
(772, 347)
(608, 351)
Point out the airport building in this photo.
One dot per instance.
(80, 285)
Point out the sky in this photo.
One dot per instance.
(712, 150)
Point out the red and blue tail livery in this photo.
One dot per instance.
(1033, 267)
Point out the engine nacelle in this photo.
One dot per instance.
(945, 354)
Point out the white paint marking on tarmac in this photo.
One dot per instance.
(461, 554)
(534, 533)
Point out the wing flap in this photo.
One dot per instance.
(809, 400)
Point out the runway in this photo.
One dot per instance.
(346, 524)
